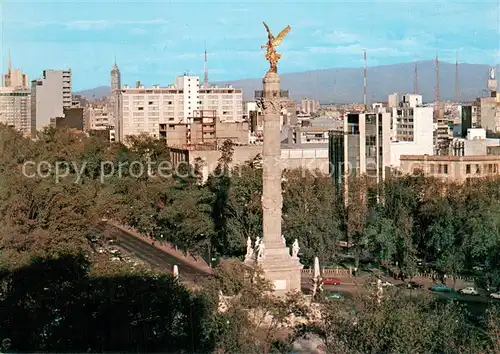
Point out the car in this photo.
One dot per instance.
(495, 296)
(331, 281)
(469, 291)
(384, 283)
(441, 288)
(334, 296)
(414, 285)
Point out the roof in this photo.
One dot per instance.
(436, 158)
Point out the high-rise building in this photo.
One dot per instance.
(49, 96)
(115, 100)
(309, 106)
(412, 130)
(393, 100)
(15, 98)
(144, 109)
(15, 108)
(14, 78)
(361, 148)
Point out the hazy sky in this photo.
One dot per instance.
(156, 41)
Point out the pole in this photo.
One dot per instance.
(364, 79)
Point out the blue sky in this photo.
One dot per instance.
(156, 41)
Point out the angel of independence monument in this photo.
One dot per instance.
(271, 253)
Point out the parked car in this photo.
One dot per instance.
(495, 296)
(441, 288)
(331, 281)
(469, 291)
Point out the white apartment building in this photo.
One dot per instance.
(144, 109)
(15, 108)
(100, 118)
(412, 131)
(49, 96)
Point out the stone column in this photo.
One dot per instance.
(271, 158)
(282, 269)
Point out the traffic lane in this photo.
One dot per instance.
(150, 254)
(149, 251)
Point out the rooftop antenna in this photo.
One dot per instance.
(10, 64)
(364, 79)
(457, 91)
(436, 92)
(415, 81)
(205, 79)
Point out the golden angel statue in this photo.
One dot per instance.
(271, 55)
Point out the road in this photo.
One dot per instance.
(150, 254)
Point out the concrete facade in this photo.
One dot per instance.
(452, 168)
(15, 108)
(73, 119)
(100, 118)
(412, 132)
(49, 96)
(143, 110)
(490, 113)
(204, 128)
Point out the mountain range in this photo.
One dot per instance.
(345, 85)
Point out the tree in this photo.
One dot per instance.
(310, 214)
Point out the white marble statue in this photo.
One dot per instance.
(257, 243)
(261, 248)
(295, 248)
(283, 237)
(249, 247)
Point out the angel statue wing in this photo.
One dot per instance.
(269, 34)
(277, 41)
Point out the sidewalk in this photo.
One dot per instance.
(168, 248)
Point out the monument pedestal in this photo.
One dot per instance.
(281, 269)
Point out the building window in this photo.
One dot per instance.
(445, 168)
(478, 169)
(440, 169)
(490, 168)
(150, 102)
(140, 108)
(467, 169)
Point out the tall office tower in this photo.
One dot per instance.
(115, 100)
(361, 148)
(49, 96)
(15, 108)
(15, 96)
(14, 78)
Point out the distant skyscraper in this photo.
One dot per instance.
(49, 96)
(115, 99)
(14, 78)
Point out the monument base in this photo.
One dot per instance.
(281, 269)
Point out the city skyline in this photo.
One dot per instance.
(155, 42)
